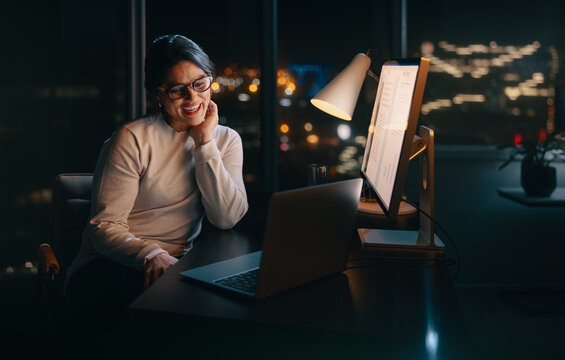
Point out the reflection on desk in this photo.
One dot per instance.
(380, 307)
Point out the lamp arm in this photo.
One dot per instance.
(372, 74)
(418, 146)
(373, 57)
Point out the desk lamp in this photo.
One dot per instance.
(338, 99)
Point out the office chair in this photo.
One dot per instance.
(70, 210)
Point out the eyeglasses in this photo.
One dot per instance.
(179, 91)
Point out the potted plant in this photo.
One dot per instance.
(538, 178)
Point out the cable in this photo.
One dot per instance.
(458, 261)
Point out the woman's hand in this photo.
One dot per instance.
(156, 267)
(202, 133)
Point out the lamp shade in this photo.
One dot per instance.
(339, 97)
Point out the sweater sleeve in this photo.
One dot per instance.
(115, 188)
(220, 180)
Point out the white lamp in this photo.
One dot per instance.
(339, 97)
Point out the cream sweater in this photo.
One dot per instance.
(151, 188)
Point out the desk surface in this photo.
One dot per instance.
(406, 306)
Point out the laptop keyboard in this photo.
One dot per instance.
(245, 281)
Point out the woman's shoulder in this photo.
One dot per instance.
(133, 132)
(141, 124)
(141, 128)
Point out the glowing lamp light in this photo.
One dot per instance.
(253, 88)
(361, 140)
(312, 139)
(427, 47)
(339, 97)
(285, 128)
(243, 97)
(344, 131)
(285, 102)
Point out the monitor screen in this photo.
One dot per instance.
(392, 129)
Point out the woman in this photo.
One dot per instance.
(156, 178)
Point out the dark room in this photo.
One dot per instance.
(386, 176)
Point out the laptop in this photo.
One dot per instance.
(308, 235)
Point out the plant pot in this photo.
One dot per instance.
(538, 180)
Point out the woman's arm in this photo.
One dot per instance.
(220, 180)
(115, 188)
(219, 172)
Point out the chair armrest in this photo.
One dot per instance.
(48, 263)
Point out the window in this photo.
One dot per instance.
(493, 69)
(63, 90)
(313, 48)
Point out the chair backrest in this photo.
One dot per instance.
(71, 208)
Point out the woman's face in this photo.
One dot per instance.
(190, 110)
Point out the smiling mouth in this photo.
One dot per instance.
(193, 110)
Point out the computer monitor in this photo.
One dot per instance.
(391, 144)
(392, 129)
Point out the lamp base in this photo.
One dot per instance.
(373, 207)
(400, 241)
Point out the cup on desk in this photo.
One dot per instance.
(317, 174)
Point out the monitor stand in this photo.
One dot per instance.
(424, 240)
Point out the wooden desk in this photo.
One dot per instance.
(401, 309)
